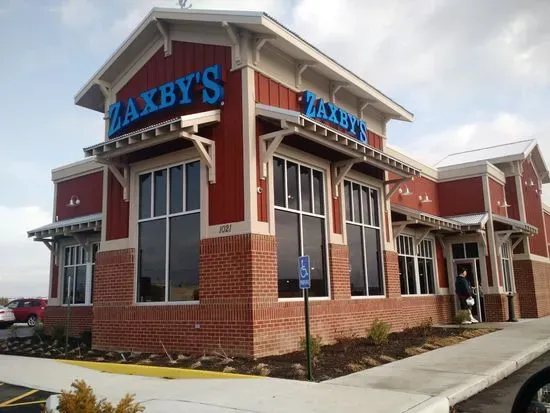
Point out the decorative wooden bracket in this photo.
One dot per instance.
(334, 88)
(122, 178)
(234, 37)
(516, 243)
(165, 31)
(269, 144)
(439, 238)
(362, 105)
(207, 152)
(422, 237)
(398, 228)
(396, 183)
(339, 171)
(301, 66)
(259, 42)
(484, 240)
(52, 246)
(503, 236)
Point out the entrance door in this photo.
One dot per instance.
(473, 276)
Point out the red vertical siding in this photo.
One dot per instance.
(533, 207)
(441, 267)
(463, 196)
(55, 280)
(88, 189)
(226, 196)
(117, 215)
(419, 187)
(489, 266)
(496, 191)
(336, 214)
(512, 197)
(547, 229)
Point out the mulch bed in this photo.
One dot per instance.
(347, 355)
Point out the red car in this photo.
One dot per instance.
(28, 310)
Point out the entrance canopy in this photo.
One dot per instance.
(412, 216)
(173, 134)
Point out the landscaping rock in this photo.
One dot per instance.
(355, 367)
(196, 364)
(229, 369)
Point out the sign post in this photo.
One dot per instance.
(305, 283)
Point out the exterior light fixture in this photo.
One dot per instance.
(73, 202)
(529, 183)
(424, 199)
(406, 192)
(503, 204)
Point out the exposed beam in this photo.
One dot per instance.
(207, 152)
(81, 240)
(516, 242)
(339, 171)
(259, 42)
(334, 88)
(439, 239)
(234, 37)
(269, 144)
(396, 183)
(121, 178)
(484, 240)
(165, 32)
(301, 66)
(502, 237)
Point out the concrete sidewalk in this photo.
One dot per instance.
(426, 383)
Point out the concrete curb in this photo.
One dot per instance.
(433, 405)
(460, 393)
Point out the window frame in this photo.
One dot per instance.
(507, 247)
(137, 173)
(416, 258)
(90, 266)
(381, 232)
(326, 217)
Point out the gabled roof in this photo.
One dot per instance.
(498, 154)
(90, 96)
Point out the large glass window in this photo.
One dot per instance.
(507, 268)
(169, 234)
(416, 266)
(300, 225)
(363, 234)
(466, 250)
(78, 272)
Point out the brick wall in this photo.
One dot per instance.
(80, 318)
(496, 307)
(533, 287)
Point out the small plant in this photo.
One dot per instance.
(424, 329)
(58, 333)
(82, 399)
(462, 316)
(379, 332)
(316, 343)
(86, 337)
(346, 340)
(39, 330)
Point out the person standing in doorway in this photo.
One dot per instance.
(463, 290)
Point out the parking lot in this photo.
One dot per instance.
(17, 399)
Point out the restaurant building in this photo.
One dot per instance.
(232, 146)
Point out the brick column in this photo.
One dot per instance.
(340, 288)
(391, 270)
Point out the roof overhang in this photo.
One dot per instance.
(257, 23)
(516, 226)
(67, 227)
(292, 122)
(471, 222)
(418, 217)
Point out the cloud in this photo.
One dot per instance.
(24, 267)
(79, 14)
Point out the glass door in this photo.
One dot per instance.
(472, 274)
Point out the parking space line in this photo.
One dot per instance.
(22, 396)
(25, 403)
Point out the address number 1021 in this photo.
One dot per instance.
(224, 229)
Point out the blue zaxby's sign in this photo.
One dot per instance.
(180, 92)
(319, 109)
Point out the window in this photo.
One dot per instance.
(467, 250)
(169, 234)
(75, 274)
(13, 304)
(416, 266)
(507, 268)
(300, 225)
(363, 234)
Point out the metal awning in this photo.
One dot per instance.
(516, 226)
(471, 221)
(292, 122)
(183, 127)
(68, 227)
(419, 217)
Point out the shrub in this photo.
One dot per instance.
(86, 337)
(316, 343)
(461, 316)
(424, 329)
(4, 300)
(83, 400)
(345, 341)
(379, 332)
(58, 333)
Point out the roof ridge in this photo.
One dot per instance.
(492, 146)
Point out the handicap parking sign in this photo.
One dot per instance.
(304, 272)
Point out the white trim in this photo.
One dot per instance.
(249, 149)
(491, 234)
(412, 234)
(531, 257)
(75, 170)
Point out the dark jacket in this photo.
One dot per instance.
(462, 287)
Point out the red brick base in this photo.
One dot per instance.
(80, 319)
(533, 287)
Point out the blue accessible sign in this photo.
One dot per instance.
(303, 272)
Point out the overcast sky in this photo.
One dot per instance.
(474, 73)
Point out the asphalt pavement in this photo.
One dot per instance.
(23, 330)
(18, 399)
(500, 397)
